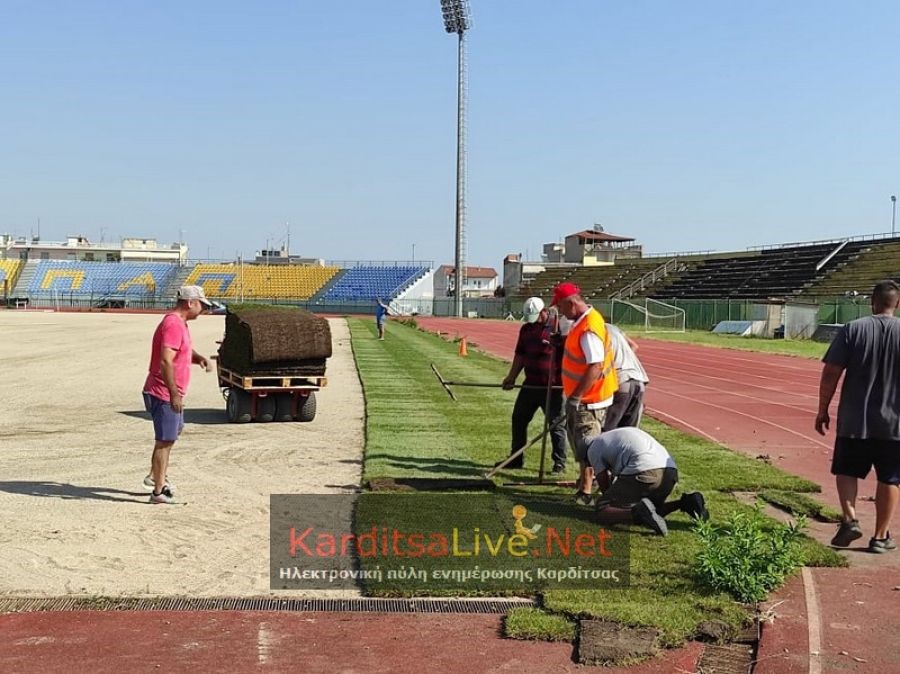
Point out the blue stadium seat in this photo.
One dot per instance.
(365, 283)
(100, 279)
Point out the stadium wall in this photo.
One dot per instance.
(418, 298)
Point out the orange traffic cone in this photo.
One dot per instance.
(463, 348)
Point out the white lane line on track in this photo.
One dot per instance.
(263, 643)
(749, 416)
(660, 413)
(797, 383)
(725, 355)
(813, 621)
(772, 373)
(731, 381)
(717, 389)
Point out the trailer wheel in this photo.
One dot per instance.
(237, 406)
(265, 408)
(306, 409)
(283, 405)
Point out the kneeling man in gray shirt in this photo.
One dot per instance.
(636, 475)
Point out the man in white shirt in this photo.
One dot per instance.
(628, 403)
(636, 474)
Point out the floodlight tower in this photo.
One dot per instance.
(458, 20)
(893, 213)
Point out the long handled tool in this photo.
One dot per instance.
(549, 426)
(447, 384)
(553, 425)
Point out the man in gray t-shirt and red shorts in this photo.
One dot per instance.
(867, 352)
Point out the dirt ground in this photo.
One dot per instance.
(75, 446)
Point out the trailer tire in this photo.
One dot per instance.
(306, 409)
(265, 408)
(237, 406)
(284, 403)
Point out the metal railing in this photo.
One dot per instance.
(774, 246)
(350, 264)
(648, 279)
(684, 253)
(825, 260)
(820, 242)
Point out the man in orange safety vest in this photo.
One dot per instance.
(588, 378)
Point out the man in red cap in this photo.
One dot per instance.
(588, 378)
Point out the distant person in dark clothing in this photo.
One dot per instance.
(382, 311)
(539, 353)
(867, 351)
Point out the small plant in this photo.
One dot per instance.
(744, 559)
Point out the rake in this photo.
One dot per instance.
(548, 427)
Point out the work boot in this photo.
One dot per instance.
(695, 506)
(645, 513)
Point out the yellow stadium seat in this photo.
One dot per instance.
(254, 281)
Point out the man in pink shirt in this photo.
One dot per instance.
(167, 382)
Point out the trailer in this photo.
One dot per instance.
(262, 396)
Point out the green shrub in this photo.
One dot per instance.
(745, 559)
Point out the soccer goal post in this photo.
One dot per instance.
(663, 317)
(628, 315)
(647, 314)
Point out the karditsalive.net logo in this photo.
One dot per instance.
(475, 542)
(399, 543)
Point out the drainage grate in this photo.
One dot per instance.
(310, 605)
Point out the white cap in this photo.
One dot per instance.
(532, 308)
(193, 293)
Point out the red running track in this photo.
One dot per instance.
(307, 643)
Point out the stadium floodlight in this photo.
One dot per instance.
(458, 20)
(456, 15)
(893, 213)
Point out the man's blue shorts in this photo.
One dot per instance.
(167, 423)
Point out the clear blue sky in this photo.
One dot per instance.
(691, 125)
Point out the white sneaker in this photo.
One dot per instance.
(165, 496)
(150, 484)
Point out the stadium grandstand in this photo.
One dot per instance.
(97, 280)
(608, 268)
(808, 270)
(780, 290)
(260, 281)
(9, 274)
(341, 286)
(367, 282)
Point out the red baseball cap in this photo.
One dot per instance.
(564, 290)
